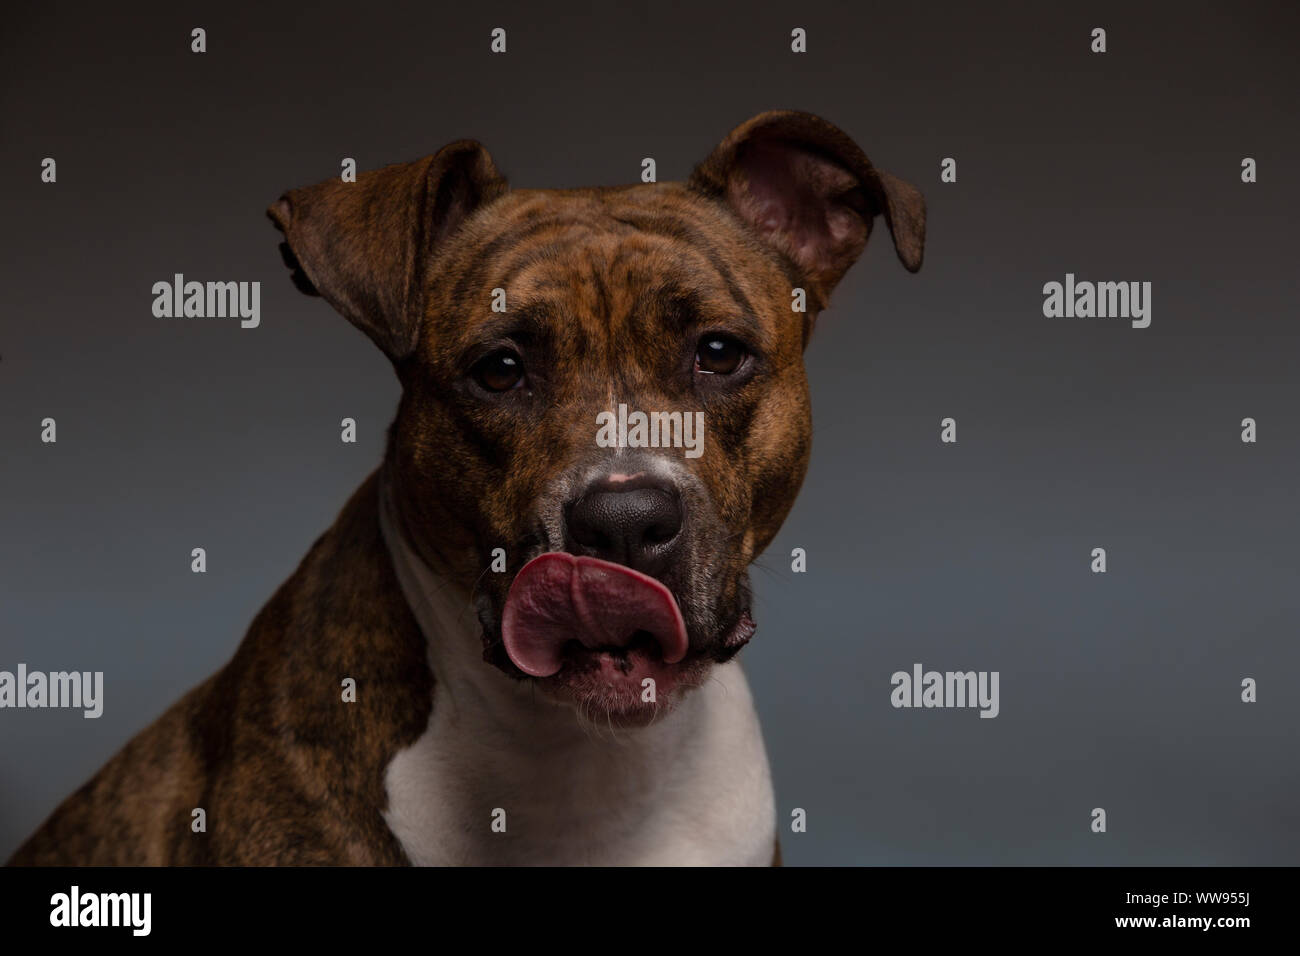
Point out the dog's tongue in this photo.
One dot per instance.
(558, 597)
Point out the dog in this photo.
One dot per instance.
(516, 644)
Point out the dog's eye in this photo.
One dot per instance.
(719, 355)
(500, 371)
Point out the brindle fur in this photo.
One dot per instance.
(608, 289)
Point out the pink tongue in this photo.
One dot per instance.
(558, 597)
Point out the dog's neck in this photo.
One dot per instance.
(572, 791)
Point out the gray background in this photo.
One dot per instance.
(1118, 690)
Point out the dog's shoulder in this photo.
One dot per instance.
(123, 815)
(284, 749)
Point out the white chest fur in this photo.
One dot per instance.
(501, 776)
(693, 790)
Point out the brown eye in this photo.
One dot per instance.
(500, 372)
(719, 355)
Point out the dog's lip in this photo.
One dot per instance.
(739, 634)
(728, 643)
(637, 660)
(632, 685)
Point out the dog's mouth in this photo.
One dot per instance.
(559, 598)
(608, 637)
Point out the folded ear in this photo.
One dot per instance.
(364, 245)
(811, 192)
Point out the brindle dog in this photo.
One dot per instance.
(570, 693)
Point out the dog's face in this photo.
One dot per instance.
(606, 385)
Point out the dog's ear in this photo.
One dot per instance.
(364, 245)
(811, 192)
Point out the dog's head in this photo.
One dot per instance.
(605, 384)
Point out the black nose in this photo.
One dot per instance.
(635, 524)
